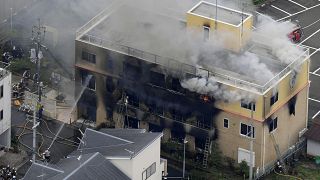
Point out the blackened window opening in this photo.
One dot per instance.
(292, 105)
(157, 79)
(247, 105)
(246, 130)
(132, 72)
(273, 124)
(274, 99)
(85, 77)
(89, 57)
(133, 99)
(109, 84)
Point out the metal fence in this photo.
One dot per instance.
(180, 67)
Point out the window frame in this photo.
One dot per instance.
(93, 78)
(1, 91)
(246, 135)
(149, 171)
(1, 114)
(88, 57)
(248, 105)
(274, 123)
(226, 120)
(206, 33)
(274, 98)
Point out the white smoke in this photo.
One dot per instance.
(274, 35)
(166, 36)
(209, 86)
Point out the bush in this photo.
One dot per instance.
(244, 169)
(229, 162)
(215, 158)
(257, 2)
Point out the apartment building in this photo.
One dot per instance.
(5, 108)
(133, 62)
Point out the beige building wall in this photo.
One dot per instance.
(286, 134)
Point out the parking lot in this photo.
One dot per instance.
(307, 14)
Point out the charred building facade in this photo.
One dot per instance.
(138, 78)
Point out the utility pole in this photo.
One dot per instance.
(38, 33)
(216, 21)
(11, 19)
(11, 27)
(184, 157)
(251, 144)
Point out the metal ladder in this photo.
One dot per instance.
(277, 149)
(206, 153)
(121, 109)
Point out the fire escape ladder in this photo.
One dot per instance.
(277, 149)
(206, 153)
(121, 109)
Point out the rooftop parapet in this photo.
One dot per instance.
(99, 32)
(177, 66)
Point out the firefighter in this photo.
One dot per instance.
(40, 112)
(46, 155)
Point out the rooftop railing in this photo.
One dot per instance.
(181, 67)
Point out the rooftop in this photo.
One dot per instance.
(219, 13)
(148, 35)
(85, 167)
(115, 143)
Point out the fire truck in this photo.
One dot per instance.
(296, 35)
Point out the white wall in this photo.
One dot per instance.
(133, 168)
(150, 155)
(313, 148)
(5, 105)
(125, 165)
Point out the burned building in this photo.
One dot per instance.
(204, 76)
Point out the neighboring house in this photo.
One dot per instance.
(5, 108)
(313, 138)
(136, 53)
(91, 166)
(134, 151)
(115, 154)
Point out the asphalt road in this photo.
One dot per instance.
(307, 12)
(46, 133)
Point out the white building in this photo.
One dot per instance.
(134, 151)
(5, 108)
(313, 139)
(119, 154)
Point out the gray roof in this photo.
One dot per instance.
(42, 171)
(85, 167)
(115, 143)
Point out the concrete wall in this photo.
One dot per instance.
(5, 105)
(313, 148)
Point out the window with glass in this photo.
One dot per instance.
(149, 171)
(226, 123)
(245, 130)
